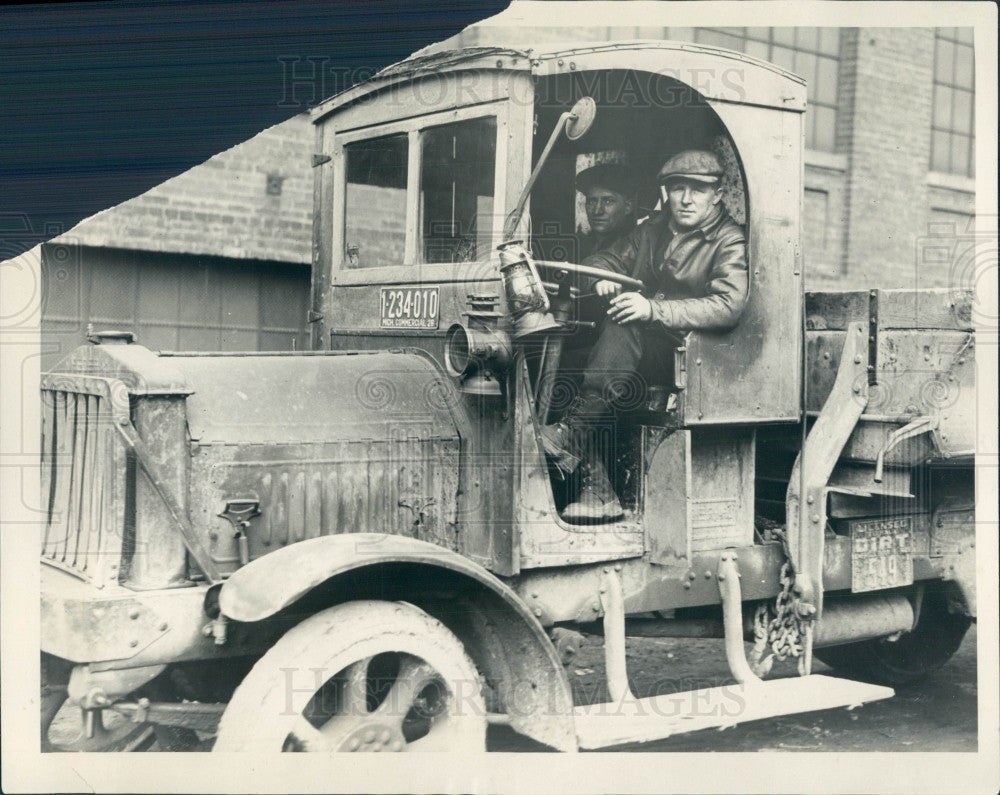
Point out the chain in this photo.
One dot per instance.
(779, 629)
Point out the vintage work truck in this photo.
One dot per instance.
(359, 547)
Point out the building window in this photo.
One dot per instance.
(811, 53)
(952, 136)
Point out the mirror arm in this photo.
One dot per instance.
(510, 225)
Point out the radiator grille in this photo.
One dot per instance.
(83, 484)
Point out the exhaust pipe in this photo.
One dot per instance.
(848, 620)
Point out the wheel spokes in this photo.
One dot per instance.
(354, 699)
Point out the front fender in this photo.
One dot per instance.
(508, 644)
(272, 582)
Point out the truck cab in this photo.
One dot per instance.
(381, 506)
(412, 207)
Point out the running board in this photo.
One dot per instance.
(642, 720)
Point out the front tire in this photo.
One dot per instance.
(361, 676)
(933, 641)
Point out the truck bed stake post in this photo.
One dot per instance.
(732, 620)
(821, 449)
(613, 603)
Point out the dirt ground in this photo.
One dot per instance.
(938, 714)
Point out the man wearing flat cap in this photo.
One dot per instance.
(610, 201)
(692, 259)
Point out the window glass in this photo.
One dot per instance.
(718, 38)
(942, 105)
(944, 61)
(939, 151)
(783, 57)
(805, 66)
(813, 53)
(825, 129)
(962, 116)
(829, 41)
(375, 199)
(963, 67)
(681, 34)
(783, 36)
(825, 89)
(807, 39)
(952, 137)
(456, 191)
(960, 154)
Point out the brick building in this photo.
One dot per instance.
(218, 257)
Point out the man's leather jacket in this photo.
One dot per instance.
(702, 284)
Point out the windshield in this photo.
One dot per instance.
(456, 190)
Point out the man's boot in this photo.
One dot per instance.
(565, 440)
(597, 501)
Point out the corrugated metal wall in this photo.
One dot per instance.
(171, 301)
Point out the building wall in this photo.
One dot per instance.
(888, 148)
(824, 222)
(871, 206)
(253, 201)
(171, 301)
(217, 258)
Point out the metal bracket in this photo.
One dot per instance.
(732, 619)
(680, 367)
(917, 427)
(318, 160)
(613, 603)
(872, 337)
(805, 500)
(191, 538)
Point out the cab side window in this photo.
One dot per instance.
(458, 163)
(375, 199)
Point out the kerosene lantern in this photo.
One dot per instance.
(527, 302)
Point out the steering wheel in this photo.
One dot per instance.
(560, 270)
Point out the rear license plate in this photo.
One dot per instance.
(881, 554)
(409, 307)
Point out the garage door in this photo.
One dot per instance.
(170, 301)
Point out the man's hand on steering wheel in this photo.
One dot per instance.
(605, 288)
(630, 308)
(607, 284)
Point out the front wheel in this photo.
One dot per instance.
(361, 676)
(933, 641)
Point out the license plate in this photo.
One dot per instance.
(881, 554)
(409, 307)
